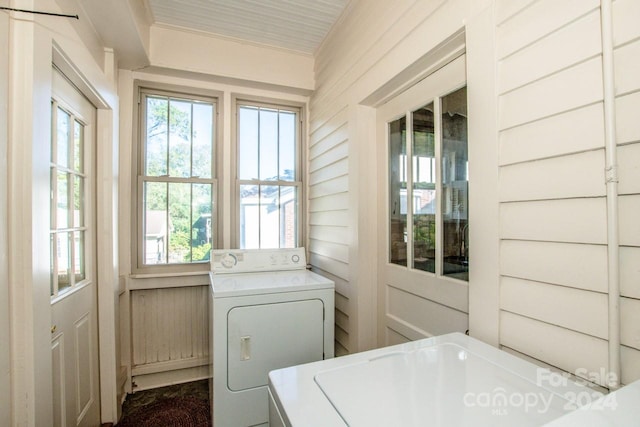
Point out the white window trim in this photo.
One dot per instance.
(138, 268)
(236, 101)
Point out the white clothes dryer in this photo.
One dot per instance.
(269, 312)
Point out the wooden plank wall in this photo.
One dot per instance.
(169, 329)
(358, 55)
(331, 228)
(553, 225)
(626, 17)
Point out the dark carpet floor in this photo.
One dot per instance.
(180, 405)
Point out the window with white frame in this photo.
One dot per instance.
(428, 166)
(69, 181)
(269, 182)
(177, 186)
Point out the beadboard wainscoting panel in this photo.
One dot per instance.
(170, 330)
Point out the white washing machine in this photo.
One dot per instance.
(449, 380)
(269, 312)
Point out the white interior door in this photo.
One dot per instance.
(423, 264)
(74, 308)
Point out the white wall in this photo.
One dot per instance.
(213, 66)
(200, 53)
(374, 46)
(553, 229)
(626, 15)
(538, 282)
(5, 374)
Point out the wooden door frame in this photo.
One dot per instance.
(106, 266)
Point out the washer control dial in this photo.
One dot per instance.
(228, 260)
(295, 258)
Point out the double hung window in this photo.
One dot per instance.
(268, 176)
(177, 183)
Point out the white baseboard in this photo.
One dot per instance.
(162, 379)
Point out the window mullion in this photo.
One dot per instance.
(437, 125)
(167, 217)
(280, 212)
(168, 137)
(191, 143)
(409, 183)
(70, 204)
(54, 200)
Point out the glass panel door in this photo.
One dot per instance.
(428, 214)
(424, 189)
(455, 186)
(398, 191)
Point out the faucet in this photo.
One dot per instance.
(464, 242)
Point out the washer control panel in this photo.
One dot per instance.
(253, 260)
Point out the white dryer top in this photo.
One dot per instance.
(269, 282)
(441, 381)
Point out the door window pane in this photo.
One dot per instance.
(78, 150)
(455, 184)
(62, 137)
(78, 201)
(78, 255)
(424, 190)
(398, 191)
(63, 251)
(63, 200)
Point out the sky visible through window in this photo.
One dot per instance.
(266, 164)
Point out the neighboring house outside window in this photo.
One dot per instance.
(269, 176)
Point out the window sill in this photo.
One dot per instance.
(171, 274)
(148, 281)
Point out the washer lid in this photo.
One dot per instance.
(440, 385)
(229, 285)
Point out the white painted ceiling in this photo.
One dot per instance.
(298, 25)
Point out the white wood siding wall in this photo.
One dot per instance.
(626, 17)
(170, 330)
(553, 225)
(552, 195)
(5, 327)
(360, 54)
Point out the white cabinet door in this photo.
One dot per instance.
(265, 337)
